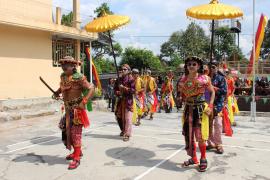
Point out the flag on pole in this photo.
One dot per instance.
(94, 69)
(96, 76)
(258, 42)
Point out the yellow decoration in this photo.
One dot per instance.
(204, 123)
(214, 11)
(107, 23)
(135, 113)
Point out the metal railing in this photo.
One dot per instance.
(263, 67)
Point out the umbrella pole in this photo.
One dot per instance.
(212, 41)
(114, 58)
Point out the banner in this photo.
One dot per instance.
(94, 69)
(258, 43)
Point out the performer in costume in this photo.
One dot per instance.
(71, 87)
(196, 111)
(118, 97)
(151, 97)
(230, 96)
(125, 104)
(139, 96)
(220, 87)
(167, 93)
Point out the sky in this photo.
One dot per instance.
(153, 21)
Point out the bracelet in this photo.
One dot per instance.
(84, 101)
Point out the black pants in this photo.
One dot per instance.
(110, 102)
(113, 103)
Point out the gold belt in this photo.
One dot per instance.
(194, 102)
(72, 104)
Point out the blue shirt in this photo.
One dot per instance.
(219, 81)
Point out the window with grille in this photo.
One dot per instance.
(62, 48)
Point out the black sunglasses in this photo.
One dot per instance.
(213, 67)
(192, 64)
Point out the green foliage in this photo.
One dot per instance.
(67, 19)
(225, 45)
(104, 65)
(103, 8)
(141, 59)
(181, 44)
(265, 50)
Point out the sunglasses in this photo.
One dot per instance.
(192, 64)
(213, 67)
(124, 69)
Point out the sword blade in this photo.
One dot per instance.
(42, 80)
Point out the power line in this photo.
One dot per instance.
(157, 36)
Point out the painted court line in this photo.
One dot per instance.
(157, 165)
(33, 145)
(179, 132)
(180, 140)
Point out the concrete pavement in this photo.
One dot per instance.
(32, 149)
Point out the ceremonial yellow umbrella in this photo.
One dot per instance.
(214, 11)
(106, 23)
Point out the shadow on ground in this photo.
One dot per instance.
(132, 156)
(40, 159)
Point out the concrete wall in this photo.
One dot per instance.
(24, 56)
(37, 14)
(26, 11)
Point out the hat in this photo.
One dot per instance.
(148, 71)
(135, 71)
(214, 62)
(69, 60)
(194, 58)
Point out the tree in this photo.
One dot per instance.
(265, 50)
(181, 44)
(103, 8)
(225, 45)
(141, 59)
(67, 20)
(104, 65)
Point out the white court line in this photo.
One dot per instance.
(179, 140)
(152, 130)
(29, 140)
(33, 145)
(139, 135)
(179, 132)
(27, 147)
(248, 148)
(157, 165)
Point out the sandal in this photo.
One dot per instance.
(210, 147)
(189, 163)
(74, 164)
(219, 150)
(203, 165)
(121, 134)
(138, 124)
(126, 138)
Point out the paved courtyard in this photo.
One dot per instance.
(32, 150)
